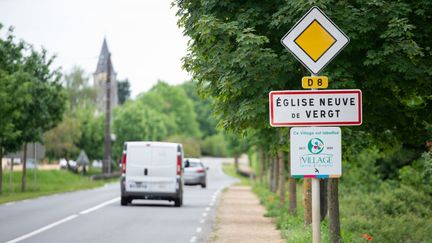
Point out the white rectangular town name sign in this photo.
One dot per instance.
(316, 152)
(290, 108)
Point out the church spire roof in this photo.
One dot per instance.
(102, 65)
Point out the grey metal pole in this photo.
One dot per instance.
(10, 175)
(316, 214)
(36, 165)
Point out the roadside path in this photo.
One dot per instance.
(240, 218)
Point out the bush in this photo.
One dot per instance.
(389, 214)
(191, 146)
(215, 146)
(419, 174)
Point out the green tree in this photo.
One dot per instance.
(236, 57)
(123, 90)
(34, 100)
(14, 94)
(135, 122)
(203, 109)
(80, 94)
(174, 103)
(61, 141)
(47, 104)
(92, 134)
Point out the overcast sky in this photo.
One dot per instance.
(142, 35)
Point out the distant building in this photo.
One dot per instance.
(100, 78)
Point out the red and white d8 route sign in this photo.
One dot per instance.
(291, 108)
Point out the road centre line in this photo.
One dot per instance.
(204, 214)
(40, 230)
(199, 229)
(99, 206)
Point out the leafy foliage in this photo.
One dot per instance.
(203, 109)
(215, 145)
(61, 141)
(80, 94)
(135, 122)
(81, 127)
(174, 103)
(33, 97)
(236, 58)
(123, 90)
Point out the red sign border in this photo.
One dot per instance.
(299, 124)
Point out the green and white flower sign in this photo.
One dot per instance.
(316, 152)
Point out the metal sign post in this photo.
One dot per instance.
(316, 207)
(315, 152)
(316, 214)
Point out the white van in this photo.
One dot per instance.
(152, 170)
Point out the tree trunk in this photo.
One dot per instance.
(275, 174)
(266, 169)
(24, 169)
(272, 167)
(281, 174)
(236, 163)
(333, 206)
(323, 198)
(260, 165)
(281, 177)
(1, 169)
(292, 188)
(307, 200)
(292, 192)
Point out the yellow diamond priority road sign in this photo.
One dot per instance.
(315, 40)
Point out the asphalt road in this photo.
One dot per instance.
(96, 215)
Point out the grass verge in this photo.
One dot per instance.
(42, 183)
(230, 170)
(292, 227)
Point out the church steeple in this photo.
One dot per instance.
(100, 79)
(102, 64)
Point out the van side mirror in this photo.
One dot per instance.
(187, 164)
(207, 168)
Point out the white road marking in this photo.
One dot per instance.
(207, 209)
(38, 231)
(199, 229)
(9, 203)
(202, 221)
(193, 239)
(211, 204)
(204, 214)
(100, 206)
